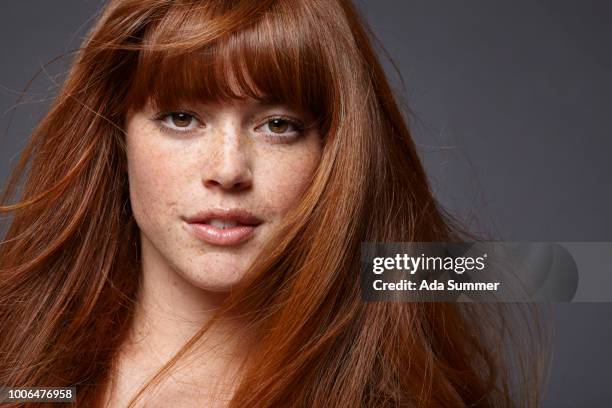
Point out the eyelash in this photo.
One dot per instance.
(298, 125)
(160, 117)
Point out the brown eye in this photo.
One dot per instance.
(278, 125)
(178, 121)
(181, 119)
(280, 128)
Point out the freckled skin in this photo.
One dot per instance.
(226, 162)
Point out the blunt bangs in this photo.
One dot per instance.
(270, 60)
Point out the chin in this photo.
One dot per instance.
(217, 275)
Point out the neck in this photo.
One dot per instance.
(168, 313)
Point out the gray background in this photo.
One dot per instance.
(509, 104)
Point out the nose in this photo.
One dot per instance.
(228, 165)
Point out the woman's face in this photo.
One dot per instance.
(209, 183)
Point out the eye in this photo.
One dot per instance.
(178, 121)
(282, 127)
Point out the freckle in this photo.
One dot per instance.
(174, 283)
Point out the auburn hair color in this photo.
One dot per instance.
(70, 263)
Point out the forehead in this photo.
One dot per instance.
(266, 61)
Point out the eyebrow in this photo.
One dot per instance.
(258, 103)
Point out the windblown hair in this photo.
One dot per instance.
(67, 279)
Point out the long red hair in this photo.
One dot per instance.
(68, 280)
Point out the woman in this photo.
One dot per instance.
(189, 226)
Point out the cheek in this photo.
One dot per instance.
(151, 180)
(287, 176)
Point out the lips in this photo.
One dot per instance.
(223, 227)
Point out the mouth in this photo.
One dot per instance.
(223, 227)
